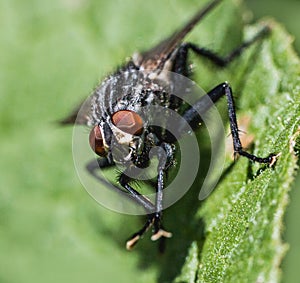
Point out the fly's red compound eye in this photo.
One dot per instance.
(128, 122)
(96, 141)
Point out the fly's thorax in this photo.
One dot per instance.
(128, 90)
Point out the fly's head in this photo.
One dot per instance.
(122, 112)
(120, 137)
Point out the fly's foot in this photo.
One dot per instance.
(161, 233)
(271, 159)
(132, 242)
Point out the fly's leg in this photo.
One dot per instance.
(149, 207)
(131, 242)
(143, 201)
(123, 180)
(181, 66)
(153, 211)
(165, 156)
(201, 106)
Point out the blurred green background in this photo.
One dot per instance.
(52, 54)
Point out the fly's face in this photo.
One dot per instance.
(120, 136)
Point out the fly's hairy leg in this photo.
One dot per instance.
(202, 105)
(165, 156)
(149, 207)
(181, 60)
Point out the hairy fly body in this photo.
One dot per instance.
(120, 129)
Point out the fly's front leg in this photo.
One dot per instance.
(165, 158)
(123, 180)
(149, 207)
(145, 203)
(131, 242)
(154, 211)
(202, 105)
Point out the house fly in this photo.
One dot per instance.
(120, 132)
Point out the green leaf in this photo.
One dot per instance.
(243, 217)
(190, 267)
